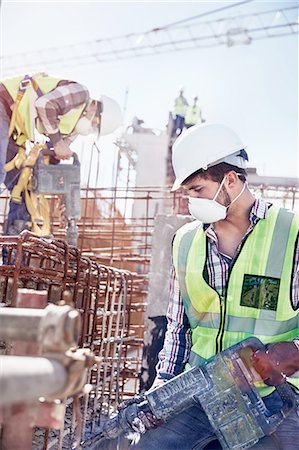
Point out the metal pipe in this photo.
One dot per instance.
(30, 324)
(20, 323)
(26, 378)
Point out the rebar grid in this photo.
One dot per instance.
(111, 300)
(103, 295)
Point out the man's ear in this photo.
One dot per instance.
(232, 178)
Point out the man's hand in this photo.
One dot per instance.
(62, 150)
(144, 420)
(276, 362)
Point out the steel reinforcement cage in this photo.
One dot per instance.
(105, 278)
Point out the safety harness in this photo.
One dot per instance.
(36, 204)
(24, 84)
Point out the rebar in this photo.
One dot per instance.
(111, 300)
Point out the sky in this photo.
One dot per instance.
(252, 88)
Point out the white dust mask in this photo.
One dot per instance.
(210, 211)
(84, 126)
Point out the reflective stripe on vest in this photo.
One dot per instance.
(46, 84)
(217, 323)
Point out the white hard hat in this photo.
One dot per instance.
(111, 117)
(203, 146)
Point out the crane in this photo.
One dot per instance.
(186, 34)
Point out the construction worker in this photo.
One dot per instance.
(179, 112)
(193, 114)
(238, 245)
(59, 109)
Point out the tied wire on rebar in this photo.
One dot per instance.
(98, 292)
(182, 35)
(111, 300)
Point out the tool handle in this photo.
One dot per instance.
(285, 391)
(51, 153)
(252, 342)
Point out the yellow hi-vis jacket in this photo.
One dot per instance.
(27, 118)
(192, 115)
(180, 106)
(257, 300)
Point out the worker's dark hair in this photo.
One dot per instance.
(217, 173)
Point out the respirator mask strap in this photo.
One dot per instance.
(240, 193)
(219, 189)
(236, 198)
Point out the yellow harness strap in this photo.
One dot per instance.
(17, 161)
(36, 204)
(26, 83)
(22, 183)
(15, 117)
(14, 113)
(38, 208)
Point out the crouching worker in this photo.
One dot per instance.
(57, 108)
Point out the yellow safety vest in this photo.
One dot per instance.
(180, 106)
(192, 115)
(26, 110)
(257, 299)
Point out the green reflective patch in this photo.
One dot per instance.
(260, 292)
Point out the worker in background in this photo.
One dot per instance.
(179, 112)
(57, 108)
(235, 275)
(136, 125)
(193, 114)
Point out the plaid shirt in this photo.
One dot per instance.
(65, 97)
(49, 107)
(177, 344)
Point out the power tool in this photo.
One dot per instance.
(60, 179)
(225, 387)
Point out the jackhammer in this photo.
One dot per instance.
(225, 387)
(61, 179)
